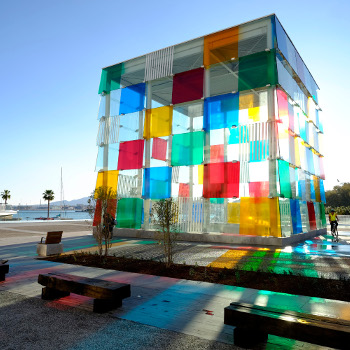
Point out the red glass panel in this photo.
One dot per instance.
(184, 190)
(188, 86)
(312, 216)
(216, 154)
(111, 209)
(221, 180)
(130, 155)
(259, 189)
(159, 149)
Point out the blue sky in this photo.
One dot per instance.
(52, 52)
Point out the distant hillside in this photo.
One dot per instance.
(83, 201)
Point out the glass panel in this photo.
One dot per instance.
(221, 111)
(134, 71)
(223, 78)
(221, 46)
(312, 217)
(130, 183)
(304, 216)
(157, 183)
(253, 107)
(323, 215)
(188, 86)
(102, 107)
(159, 63)
(115, 102)
(216, 154)
(129, 128)
(111, 209)
(260, 217)
(188, 56)
(108, 179)
(283, 168)
(296, 216)
(129, 213)
(253, 37)
(131, 155)
(132, 99)
(159, 149)
(158, 122)
(257, 70)
(322, 192)
(182, 115)
(221, 180)
(110, 78)
(112, 157)
(161, 92)
(187, 149)
(233, 212)
(286, 218)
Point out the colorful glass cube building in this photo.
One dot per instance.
(228, 124)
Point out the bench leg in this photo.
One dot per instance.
(2, 277)
(248, 338)
(51, 294)
(105, 305)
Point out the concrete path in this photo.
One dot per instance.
(185, 313)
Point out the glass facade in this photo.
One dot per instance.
(228, 125)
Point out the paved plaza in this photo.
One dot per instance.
(162, 312)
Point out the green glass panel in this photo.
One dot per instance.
(129, 213)
(217, 200)
(187, 149)
(283, 168)
(110, 78)
(257, 70)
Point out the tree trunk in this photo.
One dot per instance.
(48, 209)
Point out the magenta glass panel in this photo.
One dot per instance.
(159, 149)
(188, 86)
(221, 180)
(131, 155)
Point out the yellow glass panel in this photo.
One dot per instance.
(254, 114)
(220, 47)
(260, 217)
(200, 174)
(233, 213)
(108, 179)
(248, 101)
(158, 122)
(317, 188)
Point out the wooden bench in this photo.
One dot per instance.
(107, 295)
(53, 237)
(52, 244)
(4, 269)
(254, 323)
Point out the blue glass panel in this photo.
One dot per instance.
(312, 190)
(259, 150)
(296, 216)
(132, 99)
(323, 195)
(234, 135)
(157, 183)
(221, 111)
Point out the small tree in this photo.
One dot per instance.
(103, 195)
(165, 217)
(5, 195)
(48, 195)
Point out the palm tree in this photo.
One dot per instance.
(48, 195)
(5, 195)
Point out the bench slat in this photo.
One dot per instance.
(294, 326)
(90, 287)
(53, 237)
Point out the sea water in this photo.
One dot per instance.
(31, 215)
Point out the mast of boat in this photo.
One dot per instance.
(62, 196)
